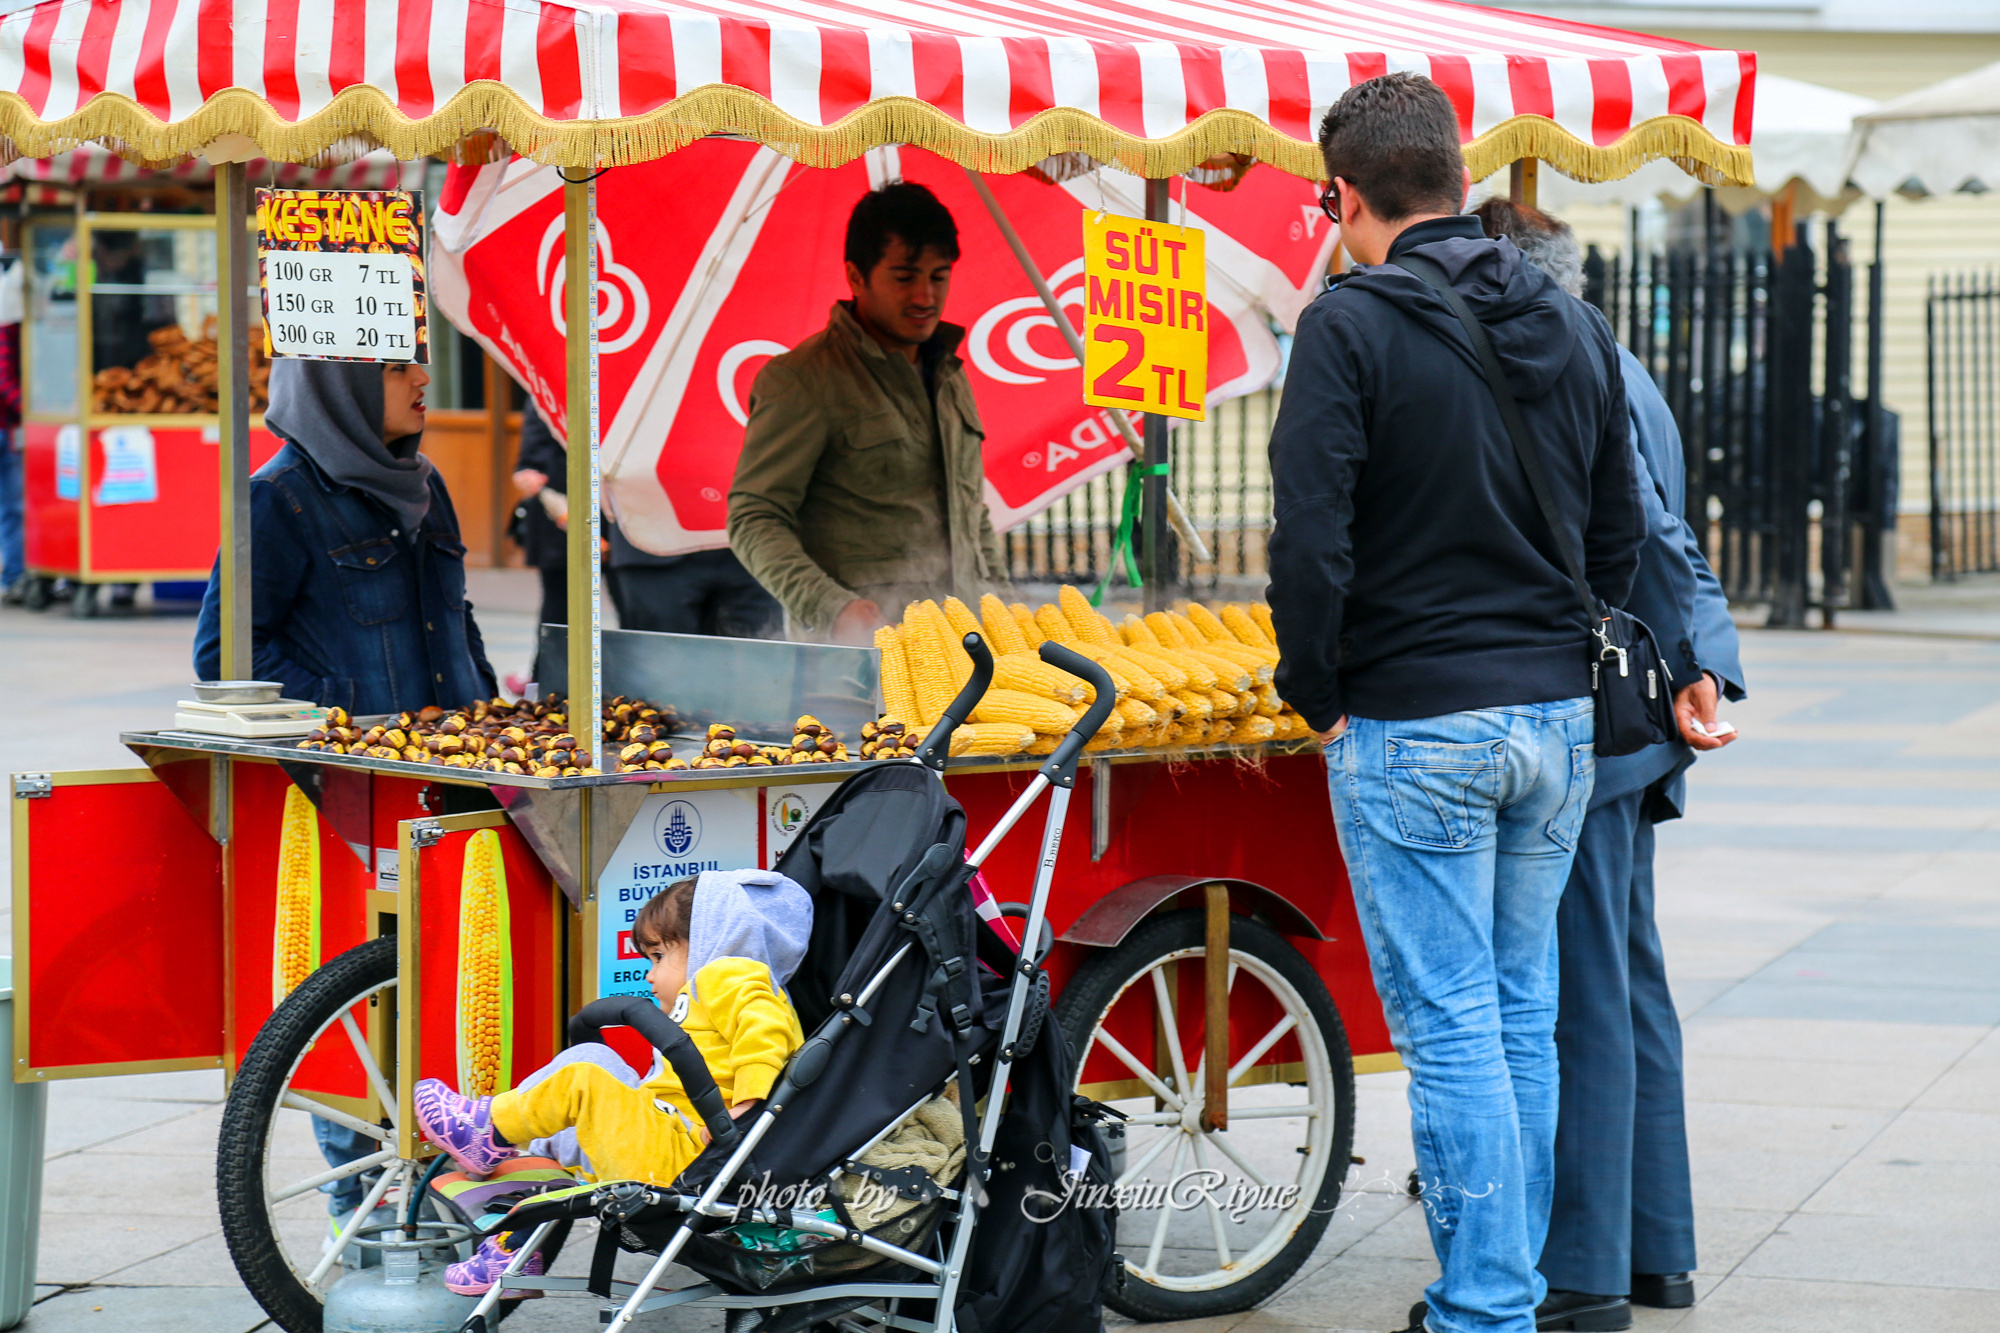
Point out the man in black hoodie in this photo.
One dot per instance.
(1430, 634)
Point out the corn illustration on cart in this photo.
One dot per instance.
(328, 929)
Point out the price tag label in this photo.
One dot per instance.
(342, 274)
(1145, 329)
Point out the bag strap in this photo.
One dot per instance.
(1426, 270)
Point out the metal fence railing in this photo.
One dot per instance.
(1220, 471)
(1962, 336)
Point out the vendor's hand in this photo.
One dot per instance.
(529, 482)
(1333, 733)
(1696, 702)
(857, 622)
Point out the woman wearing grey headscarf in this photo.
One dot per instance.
(357, 569)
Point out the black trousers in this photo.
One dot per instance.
(706, 592)
(1623, 1201)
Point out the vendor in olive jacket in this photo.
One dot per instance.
(860, 486)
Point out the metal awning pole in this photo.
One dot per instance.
(232, 306)
(1153, 495)
(586, 579)
(1176, 513)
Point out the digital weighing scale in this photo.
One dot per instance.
(252, 721)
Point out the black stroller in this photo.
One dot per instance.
(904, 991)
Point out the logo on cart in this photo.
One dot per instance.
(788, 814)
(677, 828)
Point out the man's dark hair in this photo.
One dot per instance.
(1395, 139)
(904, 209)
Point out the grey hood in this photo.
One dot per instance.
(332, 410)
(756, 914)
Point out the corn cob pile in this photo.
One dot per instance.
(1187, 678)
(495, 736)
(485, 971)
(295, 941)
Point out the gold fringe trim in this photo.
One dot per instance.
(486, 118)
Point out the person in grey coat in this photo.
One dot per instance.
(1622, 1225)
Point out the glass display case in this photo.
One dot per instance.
(120, 413)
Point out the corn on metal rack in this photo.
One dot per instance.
(327, 929)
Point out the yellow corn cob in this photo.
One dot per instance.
(1291, 727)
(1268, 702)
(899, 697)
(485, 971)
(1104, 741)
(930, 677)
(1082, 616)
(1032, 711)
(295, 939)
(1170, 709)
(1055, 625)
(991, 738)
(1030, 631)
(1173, 668)
(1262, 615)
(1002, 630)
(1234, 667)
(1242, 628)
(1196, 702)
(1205, 620)
(1255, 663)
(1164, 629)
(1137, 633)
(951, 641)
(1043, 744)
(1130, 678)
(959, 616)
(1138, 716)
(1031, 675)
(1228, 703)
(1254, 730)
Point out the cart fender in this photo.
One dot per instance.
(1111, 918)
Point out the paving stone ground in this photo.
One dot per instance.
(1831, 910)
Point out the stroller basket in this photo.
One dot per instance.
(904, 990)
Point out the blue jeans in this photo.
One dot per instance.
(1458, 833)
(13, 528)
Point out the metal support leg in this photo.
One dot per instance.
(1215, 1011)
(232, 253)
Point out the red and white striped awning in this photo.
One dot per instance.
(997, 85)
(92, 165)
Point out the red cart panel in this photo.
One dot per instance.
(173, 534)
(118, 928)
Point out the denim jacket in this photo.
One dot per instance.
(346, 611)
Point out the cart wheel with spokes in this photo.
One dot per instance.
(1214, 1222)
(268, 1167)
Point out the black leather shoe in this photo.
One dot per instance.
(1583, 1312)
(1663, 1291)
(1418, 1313)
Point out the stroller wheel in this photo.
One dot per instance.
(1193, 1254)
(273, 1145)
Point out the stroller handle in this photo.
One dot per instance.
(1061, 766)
(937, 745)
(673, 1044)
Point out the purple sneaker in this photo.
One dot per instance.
(476, 1276)
(462, 1126)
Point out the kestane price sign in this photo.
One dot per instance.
(342, 274)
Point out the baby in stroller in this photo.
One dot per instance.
(722, 947)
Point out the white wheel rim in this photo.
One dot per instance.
(285, 1202)
(1207, 1248)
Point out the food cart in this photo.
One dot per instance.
(120, 406)
(1207, 959)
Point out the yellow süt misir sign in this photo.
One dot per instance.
(1145, 325)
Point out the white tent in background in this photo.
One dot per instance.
(1799, 133)
(1944, 137)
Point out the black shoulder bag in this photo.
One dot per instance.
(1629, 680)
